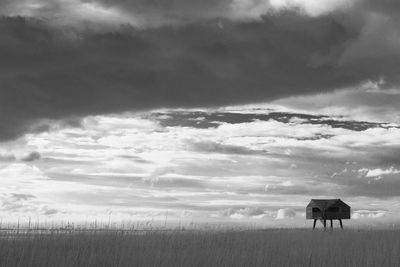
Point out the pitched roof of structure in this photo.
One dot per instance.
(326, 203)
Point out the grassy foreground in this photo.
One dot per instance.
(288, 247)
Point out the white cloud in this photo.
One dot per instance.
(254, 9)
(373, 214)
(380, 172)
(236, 216)
(313, 7)
(285, 214)
(19, 172)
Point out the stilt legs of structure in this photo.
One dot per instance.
(323, 221)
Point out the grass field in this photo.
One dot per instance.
(286, 247)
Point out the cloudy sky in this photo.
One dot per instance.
(213, 110)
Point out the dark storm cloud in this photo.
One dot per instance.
(213, 147)
(7, 158)
(22, 196)
(200, 119)
(58, 72)
(31, 157)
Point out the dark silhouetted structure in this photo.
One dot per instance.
(327, 209)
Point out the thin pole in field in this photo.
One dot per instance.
(109, 220)
(166, 218)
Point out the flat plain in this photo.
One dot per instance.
(272, 247)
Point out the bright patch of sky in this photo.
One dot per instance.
(228, 164)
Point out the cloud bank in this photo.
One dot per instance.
(238, 164)
(63, 60)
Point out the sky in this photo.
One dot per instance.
(199, 111)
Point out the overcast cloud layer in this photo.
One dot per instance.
(237, 164)
(69, 59)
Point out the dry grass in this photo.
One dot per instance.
(289, 247)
